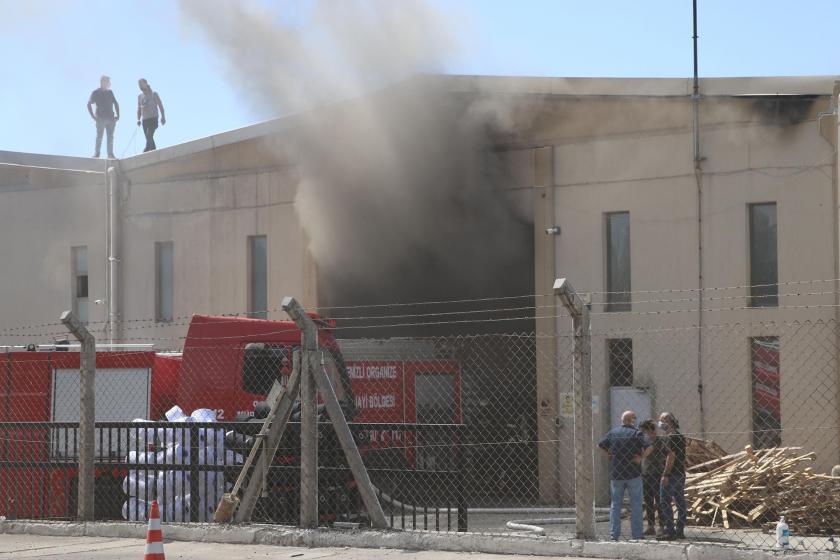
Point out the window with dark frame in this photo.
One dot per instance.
(258, 277)
(764, 258)
(80, 286)
(618, 261)
(164, 281)
(766, 392)
(620, 359)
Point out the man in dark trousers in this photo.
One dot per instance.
(148, 103)
(672, 487)
(652, 468)
(626, 447)
(106, 116)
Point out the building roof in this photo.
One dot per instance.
(506, 85)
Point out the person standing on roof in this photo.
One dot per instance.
(148, 103)
(106, 116)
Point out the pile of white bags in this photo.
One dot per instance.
(171, 488)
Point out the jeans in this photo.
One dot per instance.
(105, 125)
(634, 488)
(651, 485)
(149, 127)
(674, 490)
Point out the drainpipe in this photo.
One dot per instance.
(698, 175)
(114, 324)
(835, 105)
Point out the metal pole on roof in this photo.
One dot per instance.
(698, 176)
(113, 251)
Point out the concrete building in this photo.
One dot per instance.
(210, 226)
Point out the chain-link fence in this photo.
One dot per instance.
(459, 432)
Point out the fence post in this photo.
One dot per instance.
(195, 473)
(582, 381)
(308, 415)
(87, 415)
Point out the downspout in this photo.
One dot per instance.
(114, 324)
(698, 175)
(835, 176)
(107, 328)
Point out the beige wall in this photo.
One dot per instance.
(639, 159)
(207, 202)
(43, 214)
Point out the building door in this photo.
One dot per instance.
(628, 398)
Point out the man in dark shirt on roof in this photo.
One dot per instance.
(672, 487)
(626, 446)
(106, 117)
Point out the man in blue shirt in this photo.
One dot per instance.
(626, 446)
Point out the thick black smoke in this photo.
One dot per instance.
(401, 191)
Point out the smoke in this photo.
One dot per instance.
(401, 190)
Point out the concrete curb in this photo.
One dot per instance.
(407, 540)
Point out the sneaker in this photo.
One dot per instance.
(680, 534)
(95, 155)
(650, 531)
(112, 156)
(666, 537)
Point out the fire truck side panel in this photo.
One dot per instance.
(211, 371)
(164, 384)
(29, 485)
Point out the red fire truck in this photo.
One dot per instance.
(228, 365)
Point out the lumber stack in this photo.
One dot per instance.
(699, 451)
(754, 487)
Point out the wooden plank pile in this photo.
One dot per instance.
(754, 487)
(699, 451)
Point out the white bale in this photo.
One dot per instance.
(204, 415)
(139, 483)
(134, 509)
(175, 509)
(175, 414)
(172, 483)
(144, 458)
(140, 438)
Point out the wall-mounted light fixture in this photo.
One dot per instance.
(554, 230)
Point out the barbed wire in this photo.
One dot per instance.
(635, 329)
(156, 322)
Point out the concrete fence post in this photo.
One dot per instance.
(308, 414)
(87, 414)
(582, 381)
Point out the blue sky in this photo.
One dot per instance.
(54, 51)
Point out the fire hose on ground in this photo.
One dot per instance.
(531, 526)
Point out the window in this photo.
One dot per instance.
(164, 281)
(766, 402)
(620, 357)
(257, 277)
(618, 261)
(80, 283)
(764, 262)
(262, 365)
(434, 404)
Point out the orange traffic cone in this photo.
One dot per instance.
(154, 537)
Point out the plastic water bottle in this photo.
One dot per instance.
(782, 533)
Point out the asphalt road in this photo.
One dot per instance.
(94, 548)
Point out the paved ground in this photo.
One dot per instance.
(93, 548)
